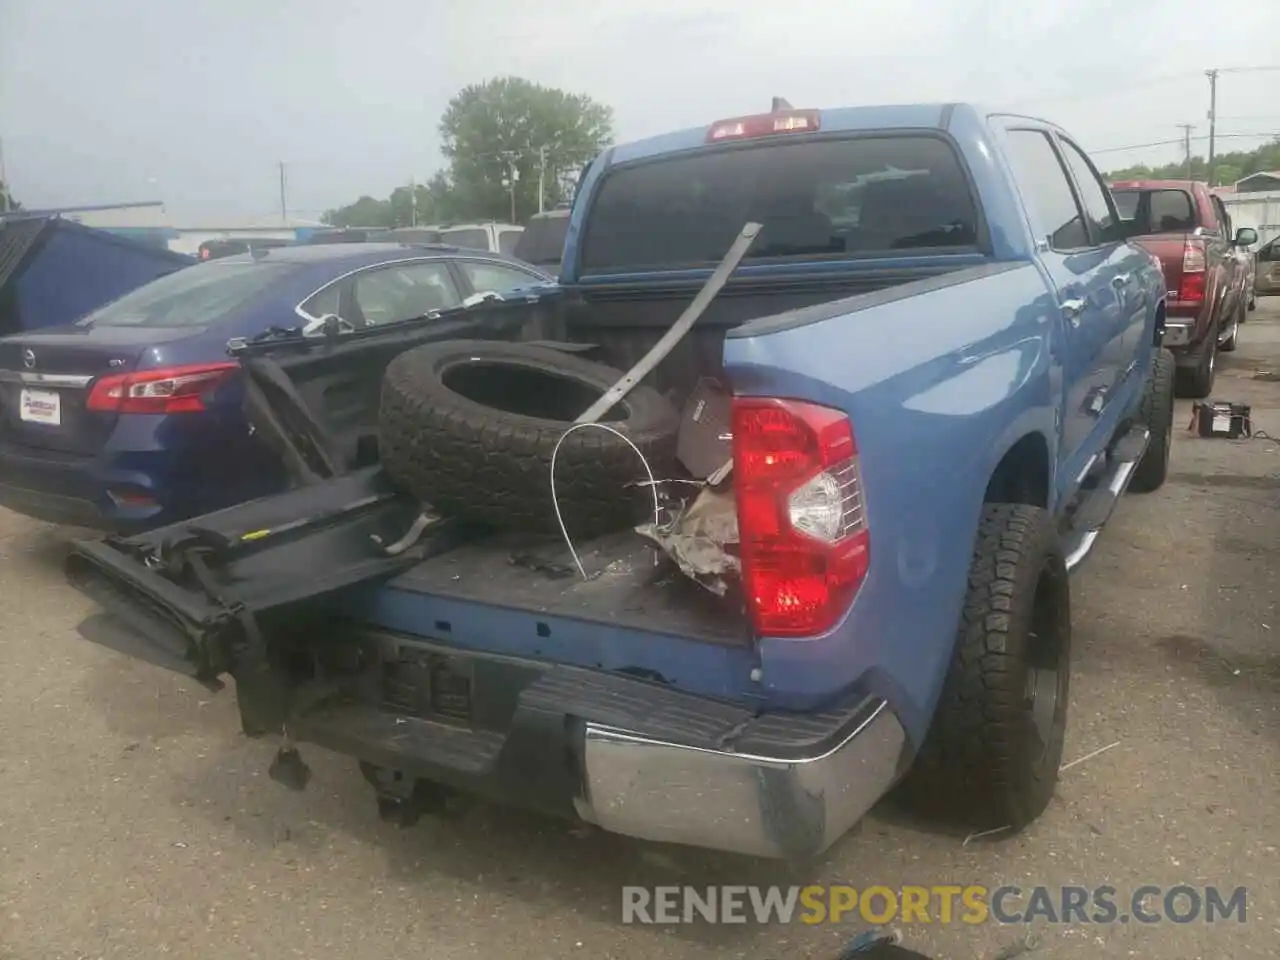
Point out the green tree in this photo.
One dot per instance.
(1227, 167)
(506, 125)
(365, 212)
(430, 202)
(7, 203)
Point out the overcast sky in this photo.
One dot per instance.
(195, 101)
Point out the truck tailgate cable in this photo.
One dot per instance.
(715, 283)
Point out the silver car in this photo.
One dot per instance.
(1267, 274)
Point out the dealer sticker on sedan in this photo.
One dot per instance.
(41, 406)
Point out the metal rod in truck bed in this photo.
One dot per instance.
(715, 282)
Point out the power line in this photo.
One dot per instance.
(1165, 143)
(1137, 85)
(1213, 103)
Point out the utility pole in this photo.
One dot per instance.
(1213, 110)
(513, 176)
(542, 178)
(413, 201)
(4, 182)
(284, 206)
(1186, 144)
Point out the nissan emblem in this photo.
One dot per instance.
(28, 359)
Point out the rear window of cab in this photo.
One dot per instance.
(827, 198)
(1158, 210)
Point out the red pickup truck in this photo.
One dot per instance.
(1190, 231)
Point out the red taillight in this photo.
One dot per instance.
(764, 125)
(803, 534)
(1192, 285)
(204, 253)
(166, 390)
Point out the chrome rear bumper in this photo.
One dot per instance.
(757, 805)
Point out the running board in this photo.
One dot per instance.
(1100, 502)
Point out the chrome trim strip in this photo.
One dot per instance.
(1121, 480)
(759, 806)
(351, 273)
(31, 378)
(1076, 556)
(1117, 486)
(1087, 467)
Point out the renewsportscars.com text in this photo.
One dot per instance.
(942, 904)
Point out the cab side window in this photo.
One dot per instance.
(1093, 194)
(1224, 218)
(1046, 189)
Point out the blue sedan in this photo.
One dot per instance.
(131, 417)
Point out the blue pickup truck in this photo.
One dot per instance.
(937, 368)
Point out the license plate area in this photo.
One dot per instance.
(426, 684)
(1177, 335)
(40, 406)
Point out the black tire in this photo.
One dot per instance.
(1229, 346)
(1196, 381)
(1253, 301)
(991, 757)
(1156, 414)
(473, 459)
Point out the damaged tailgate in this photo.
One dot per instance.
(190, 596)
(195, 596)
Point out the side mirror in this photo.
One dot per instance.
(1246, 236)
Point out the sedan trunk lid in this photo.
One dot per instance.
(45, 379)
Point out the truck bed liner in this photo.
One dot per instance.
(537, 576)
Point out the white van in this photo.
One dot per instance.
(494, 237)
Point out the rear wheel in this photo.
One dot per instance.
(992, 753)
(1229, 345)
(1197, 381)
(1156, 414)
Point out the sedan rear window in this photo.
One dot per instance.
(191, 297)
(827, 198)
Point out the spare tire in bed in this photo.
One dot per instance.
(469, 427)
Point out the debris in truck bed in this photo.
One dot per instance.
(698, 538)
(702, 443)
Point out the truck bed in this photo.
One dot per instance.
(629, 586)
(319, 549)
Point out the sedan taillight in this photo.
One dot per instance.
(164, 390)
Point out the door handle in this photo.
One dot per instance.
(1071, 309)
(1120, 279)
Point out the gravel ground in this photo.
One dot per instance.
(136, 822)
